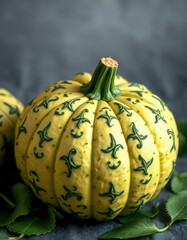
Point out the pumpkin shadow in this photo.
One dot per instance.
(9, 174)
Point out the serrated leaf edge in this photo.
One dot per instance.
(166, 206)
(53, 220)
(28, 205)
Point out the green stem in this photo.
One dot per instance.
(101, 86)
(16, 238)
(165, 228)
(10, 203)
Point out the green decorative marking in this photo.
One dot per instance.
(37, 154)
(80, 119)
(135, 85)
(57, 87)
(110, 212)
(172, 135)
(3, 94)
(113, 166)
(71, 193)
(22, 128)
(145, 196)
(147, 180)
(66, 94)
(144, 165)
(68, 105)
(66, 82)
(163, 105)
(105, 108)
(91, 102)
(113, 147)
(108, 118)
(75, 214)
(12, 110)
(45, 103)
(141, 202)
(157, 114)
(137, 208)
(35, 180)
(43, 135)
(173, 167)
(59, 112)
(133, 102)
(112, 193)
(136, 136)
(140, 93)
(69, 161)
(124, 109)
(82, 206)
(1, 123)
(67, 205)
(76, 135)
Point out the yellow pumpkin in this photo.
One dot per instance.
(96, 145)
(10, 109)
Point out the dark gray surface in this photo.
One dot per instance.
(44, 41)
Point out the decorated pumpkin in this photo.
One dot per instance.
(10, 109)
(96, 145)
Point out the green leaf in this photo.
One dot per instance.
(22, 200)
(176, 206)
(150, 213)
(140, 227)
(37, 222)
(144, 212)
(58, 214)
(129, 218)
(182, 128)
(3, 236)
(179, 182)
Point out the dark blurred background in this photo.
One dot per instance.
(43, 41)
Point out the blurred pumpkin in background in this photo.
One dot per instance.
(10, 109)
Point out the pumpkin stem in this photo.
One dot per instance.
(101, 86)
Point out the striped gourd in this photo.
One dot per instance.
(10, 109)
(96, 145)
